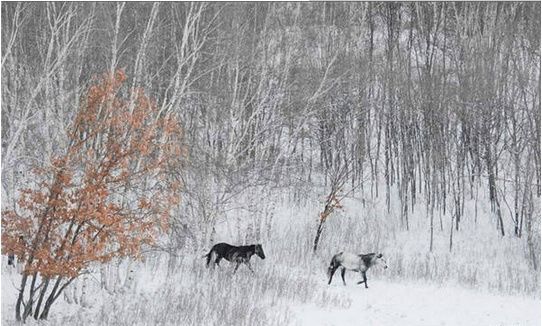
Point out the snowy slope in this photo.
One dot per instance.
(386, 303)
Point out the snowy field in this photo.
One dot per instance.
(274, 297)
(390, 303)
(290, 286)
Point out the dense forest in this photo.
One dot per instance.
(426, 114)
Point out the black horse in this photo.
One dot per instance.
(354, 262)
(234, 254)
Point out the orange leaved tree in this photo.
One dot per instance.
(106, 196)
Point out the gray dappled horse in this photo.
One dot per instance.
(235, 254)
(356, 263)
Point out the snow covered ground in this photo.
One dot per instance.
(384, 303)
(290, 287)
(278, 295)
(387, 303)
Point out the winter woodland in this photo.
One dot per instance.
(135, 136)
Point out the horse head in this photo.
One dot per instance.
(259, 251)
(380, 261)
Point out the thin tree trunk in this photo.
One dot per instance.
(318, 234)
(30, 303)
(40, 299)
(451, 232)
(432, 218)
(20, 297)
(50, 299)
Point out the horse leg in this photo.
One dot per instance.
(331, 272)
(343, 271)
(236, 267)
(249, 267)
(364, 279)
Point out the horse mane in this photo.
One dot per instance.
(367, 258)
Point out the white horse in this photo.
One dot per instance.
(356, 263)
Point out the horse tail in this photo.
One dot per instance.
(208, 257)
(334, 264)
